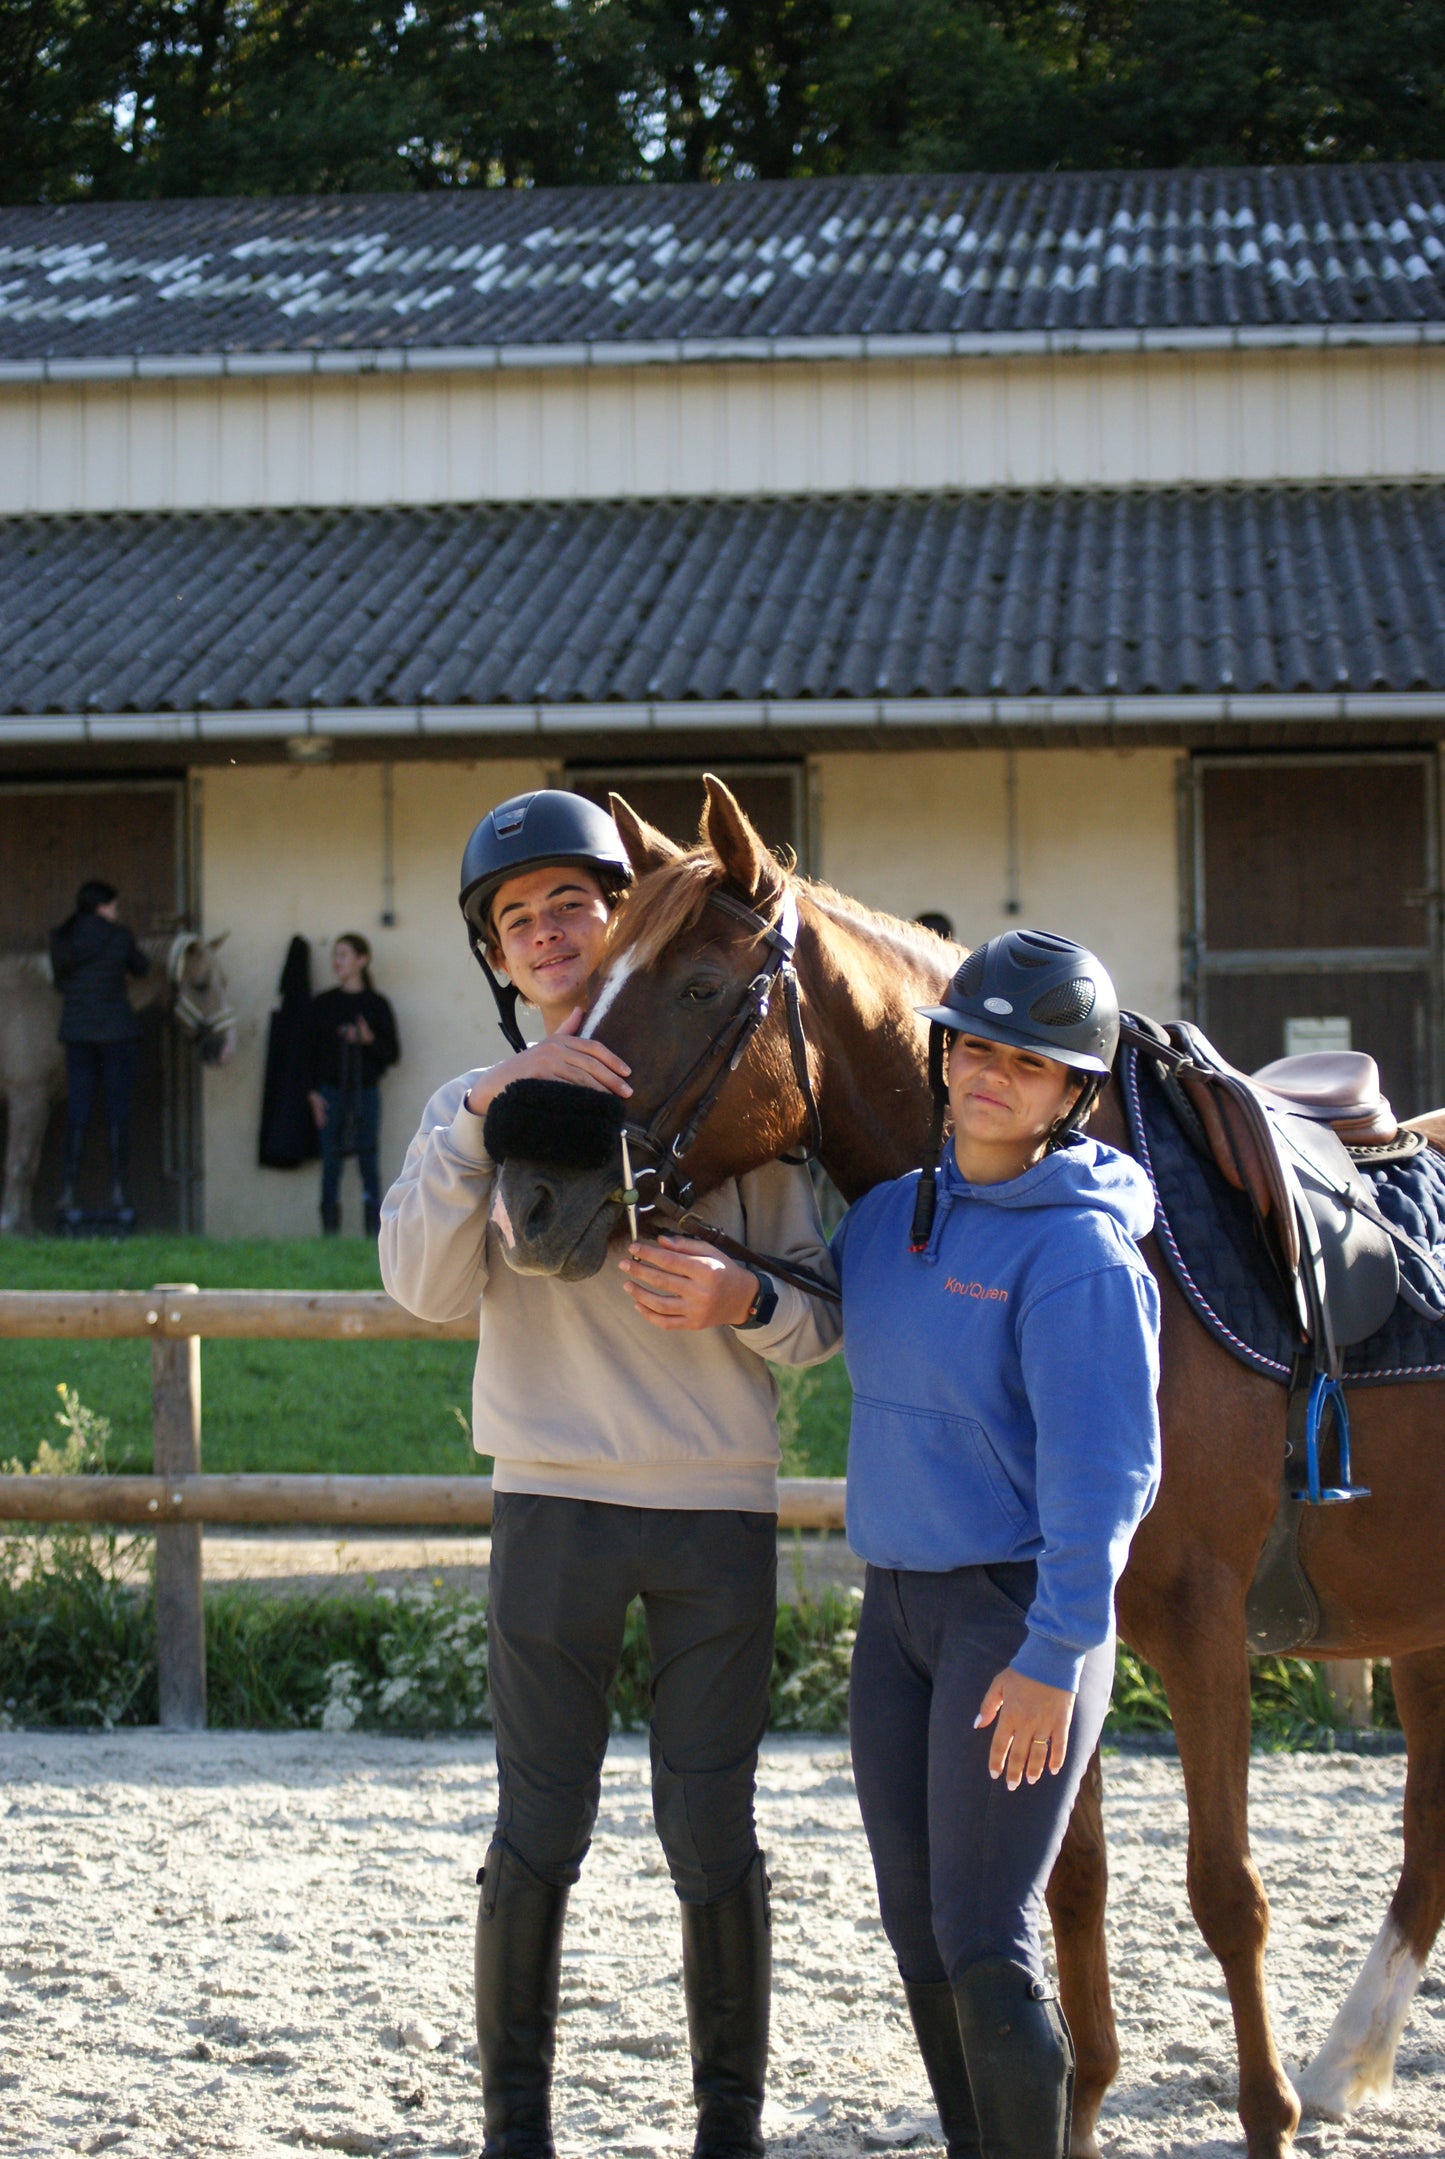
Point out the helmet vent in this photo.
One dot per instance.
(1065, 1004)
(1037, 948)
(969, 979)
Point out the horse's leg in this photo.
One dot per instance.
(1206, 1675)
(27, 1114)
(1358, 2056)
(1078, 1888)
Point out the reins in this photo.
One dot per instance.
(672, 1130)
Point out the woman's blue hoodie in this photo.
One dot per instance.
(1004, 1385)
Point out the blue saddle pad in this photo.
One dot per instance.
(1208, 1235)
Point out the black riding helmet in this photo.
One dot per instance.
(524, 833)
(1035, 991)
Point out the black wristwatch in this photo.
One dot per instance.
(763, 1306)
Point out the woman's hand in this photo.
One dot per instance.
(1032, 1727)
(563, 1056)
(681, 1283)
(318, 1110)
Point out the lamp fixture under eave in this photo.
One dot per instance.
(310, 749)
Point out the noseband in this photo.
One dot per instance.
(199, 1025)
(652, 1154)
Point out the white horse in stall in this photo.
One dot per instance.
(184, 975)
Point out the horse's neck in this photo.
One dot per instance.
(863, 976)
(155, 983)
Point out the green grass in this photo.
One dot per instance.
(364, 1408)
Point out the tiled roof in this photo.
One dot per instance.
(991, 256)
(1214, 592)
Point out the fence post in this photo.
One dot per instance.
(180, 1614)
(1350, 1686)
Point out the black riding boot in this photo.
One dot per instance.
(331, 1218)
(935, 2026)
(372, 1218)
(1020, 2061)
(727, 1975)
(118, 1138)
(518, 1978)
(72, 1151)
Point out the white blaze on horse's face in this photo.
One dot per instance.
(608, 994)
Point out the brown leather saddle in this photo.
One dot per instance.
(1292, 1138)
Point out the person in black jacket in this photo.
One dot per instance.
(353, 1041)
(91, 954)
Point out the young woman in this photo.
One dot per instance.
(92, 954)
(353, 1041)
(1001, 1332)
(633, 1421)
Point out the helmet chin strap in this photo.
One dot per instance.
(1077, 1115)
(505, 994)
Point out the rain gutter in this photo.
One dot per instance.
(721, 351)
(324, 725)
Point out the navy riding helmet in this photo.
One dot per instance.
(524, 833)
(1035, 991)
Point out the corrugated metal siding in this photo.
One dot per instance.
(986, 253)
(1062, 595)
(1160, 420)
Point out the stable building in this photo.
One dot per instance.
(1066, 549)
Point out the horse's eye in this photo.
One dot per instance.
(700, 993)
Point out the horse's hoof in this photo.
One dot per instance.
(1084, 2144)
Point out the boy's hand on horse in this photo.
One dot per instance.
(678, 1282)
(1031, 1727)
(562, 1056)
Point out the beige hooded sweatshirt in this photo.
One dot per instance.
(575, 1394)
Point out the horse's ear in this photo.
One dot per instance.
(214, 944)
(647, 848)
(748, 864)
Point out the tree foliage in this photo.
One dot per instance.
(135, 98)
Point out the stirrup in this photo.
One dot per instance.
(1327, 1393)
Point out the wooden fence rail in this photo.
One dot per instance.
(177, 1500)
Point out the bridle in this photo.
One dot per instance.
(199, 1025)
(652, 1154)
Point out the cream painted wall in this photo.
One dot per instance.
(918, 831)
(288, 850)
(568, 434)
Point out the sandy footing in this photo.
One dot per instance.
(242, 1943)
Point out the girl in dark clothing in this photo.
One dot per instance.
(353, 1041)
(91, 955)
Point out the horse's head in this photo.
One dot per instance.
(692, 961)
(199, 1002)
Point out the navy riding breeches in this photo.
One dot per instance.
(107, 1069)
(961, 1860)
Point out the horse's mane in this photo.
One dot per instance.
(670, 900)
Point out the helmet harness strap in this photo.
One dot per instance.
(506, 994)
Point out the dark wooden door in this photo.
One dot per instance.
(671, 797)
(1315, 911)
(51, 839)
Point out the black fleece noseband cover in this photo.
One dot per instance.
(551, 1121)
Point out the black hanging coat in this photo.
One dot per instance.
(288, 1129)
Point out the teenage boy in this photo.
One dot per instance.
(632, 1418)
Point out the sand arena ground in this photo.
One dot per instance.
(252, 1944)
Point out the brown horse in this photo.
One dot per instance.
(678, 967)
